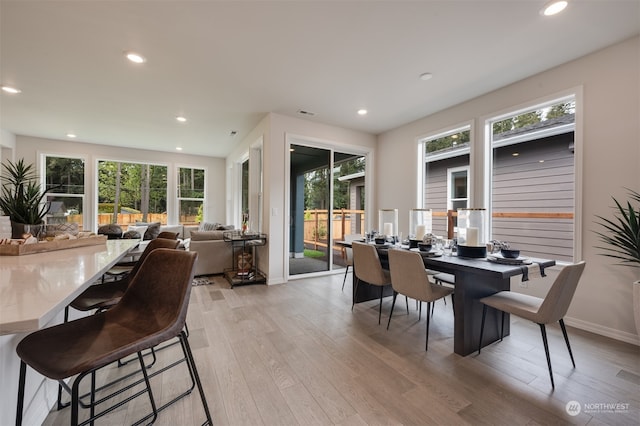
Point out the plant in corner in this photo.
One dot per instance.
(22, 196)
(621, 234)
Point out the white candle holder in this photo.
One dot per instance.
(420, 223)
(472, 237)
(388, 222)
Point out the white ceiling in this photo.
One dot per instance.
(225, 64)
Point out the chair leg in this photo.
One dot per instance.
(501, 326)
(345, 277)
(566, 339)
(426, 343)
(380, 308)
(355, 291)
(149, 391)
(192, 366)
(419, 309)
(543, 330)
(406, 298)
(21, 383)
(484, 314)
(393, 303)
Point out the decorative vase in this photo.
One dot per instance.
(636, 304)
(18, 229)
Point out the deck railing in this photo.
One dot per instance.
(538, 234)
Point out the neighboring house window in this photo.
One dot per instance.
(131, 192)
(458, 188)
(64, 179)
(532, 191)
(445, 177)
(191, 194)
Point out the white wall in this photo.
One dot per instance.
(610, 131)
(274, 130)
(29, 148)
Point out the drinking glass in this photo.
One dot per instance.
(447, 245)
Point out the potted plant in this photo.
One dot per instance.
(621, 234)
(22, 198)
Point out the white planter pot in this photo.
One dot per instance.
(636, 304)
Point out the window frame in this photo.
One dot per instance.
(42, 172)
(170, 193)
(175, 217)
(576, 95)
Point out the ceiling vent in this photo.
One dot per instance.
(306, 113)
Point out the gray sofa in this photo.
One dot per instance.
(214, 254)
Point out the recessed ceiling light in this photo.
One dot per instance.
(426, 76)
(135, 57)
(554, 7)
(362, 112)
(178, 148)
(181, 119)
(515, 154)
(71, 135)
(11, 90)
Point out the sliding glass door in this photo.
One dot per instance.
(327, 205)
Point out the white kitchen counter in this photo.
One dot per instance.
(34, 290)
(35, 287)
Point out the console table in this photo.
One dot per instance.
(244, 243)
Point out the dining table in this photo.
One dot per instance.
(475, 278)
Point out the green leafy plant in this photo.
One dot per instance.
(621, 234)
(22, 195)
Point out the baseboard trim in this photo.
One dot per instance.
(603, 331)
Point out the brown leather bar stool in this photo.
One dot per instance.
(168, 235)
(152, 310)
(106, 295)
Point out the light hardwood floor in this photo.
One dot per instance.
(296, 354)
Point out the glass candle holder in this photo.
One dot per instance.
(388, 222)
(420, 223)
(472, 238)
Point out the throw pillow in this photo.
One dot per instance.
(112, 231)
(225, 228)
(131, 235)
(62, 228)
(208, 226)
(153, 229)
(137, 228)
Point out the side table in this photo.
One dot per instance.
(244, 259)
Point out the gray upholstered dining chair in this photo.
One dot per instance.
(552, 308)
(367, 268)
(348, 256)
(408, 277)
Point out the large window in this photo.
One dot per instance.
(191, 194)
(64, 179)
(445, 178)
(131, 192)
(533, 179)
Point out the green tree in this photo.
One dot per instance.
(561, 109)
(527, 119)
(64, 175)
(503, 126)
